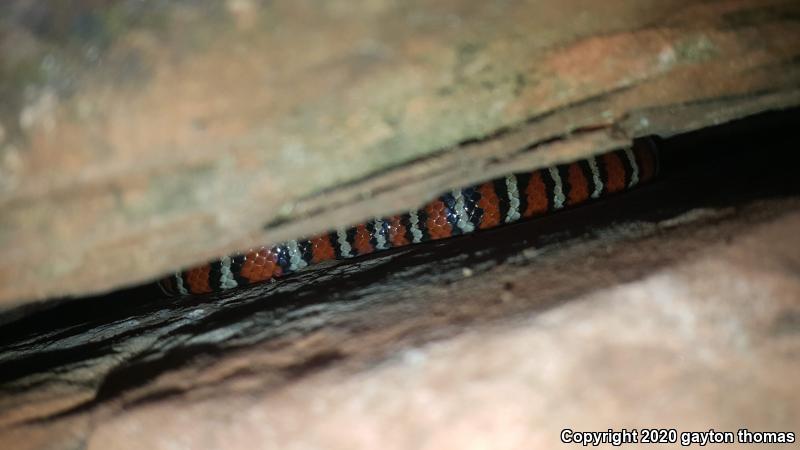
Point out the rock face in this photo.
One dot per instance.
(674, 305)
(139, 137)
(678, 347)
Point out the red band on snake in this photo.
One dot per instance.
(491, 204)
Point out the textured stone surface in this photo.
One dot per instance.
(710, 343)
(136, 137)
(675, 305)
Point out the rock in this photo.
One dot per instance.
(140, 137)
(675, 306)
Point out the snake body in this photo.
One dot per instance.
(491, 204)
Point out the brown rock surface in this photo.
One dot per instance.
(136, 137)
(710, 343)
(675, 305)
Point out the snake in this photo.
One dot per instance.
(504, 200)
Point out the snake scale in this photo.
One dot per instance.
(504, 200)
